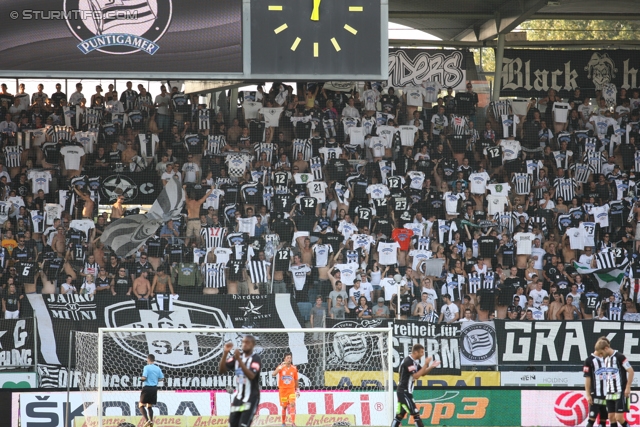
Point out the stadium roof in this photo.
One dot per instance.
(478, 21)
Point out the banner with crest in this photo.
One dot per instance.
(441, 342)
(58, 315)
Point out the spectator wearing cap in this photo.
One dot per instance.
(380, 310)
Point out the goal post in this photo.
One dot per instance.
(330, 361)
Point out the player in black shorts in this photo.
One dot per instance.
(410, 370)
(594, 385)
(246, 396)
(619, 377)
(151, 376)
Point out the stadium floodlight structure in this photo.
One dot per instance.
(190, 357)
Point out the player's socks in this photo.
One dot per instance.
(418, 421)
(625, 424)
(143, 411)
(590, 423)
(150, 410)
(396, 422)
(284, 416)
(292, 411)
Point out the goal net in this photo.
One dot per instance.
(345, 375)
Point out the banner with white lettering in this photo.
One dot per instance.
(411, 67)
(58, 315)
(441, 342)
(569, 342)
(528, 72)
(16, 343)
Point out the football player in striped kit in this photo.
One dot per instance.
(409, 371)
(594, 386)
(618, 380)
(246, 365)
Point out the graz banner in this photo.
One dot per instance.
(411, 67)
(57, 315)
(16, 343)
(527, 72)
(570, 342)
(441, 342)
(478, 344)
(137, 187)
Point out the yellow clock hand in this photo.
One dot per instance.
(315, 13)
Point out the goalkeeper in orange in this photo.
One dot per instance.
(288, 388)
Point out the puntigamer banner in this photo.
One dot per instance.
(527, 72)
(121, 36)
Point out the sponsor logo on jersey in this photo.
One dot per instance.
(118, 27)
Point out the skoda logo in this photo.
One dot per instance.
(118, 26)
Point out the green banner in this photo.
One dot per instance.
(467, 407)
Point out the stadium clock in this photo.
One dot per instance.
(312, 37)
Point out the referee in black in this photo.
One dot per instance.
(410, 370)
(151, 375)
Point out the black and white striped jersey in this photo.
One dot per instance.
(565, 187)
(258, 271)
(616, 371)
(265, 147)
(605, 260)
(204, 119)
(474, 282)
(582, 171)
(213, 236)
(214, 275)
(12, 156)
(302, 146)
(594, 368)
(315, 164)
(594, 158)
(500, 108)
(245, 389)
(522, 183)
(615, 311)
(215, 143)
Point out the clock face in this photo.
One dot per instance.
(315, 37)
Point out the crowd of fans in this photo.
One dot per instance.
(364, 204)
